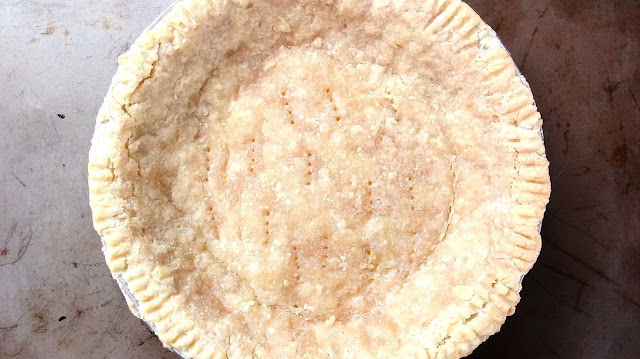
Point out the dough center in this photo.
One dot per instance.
(331, 190)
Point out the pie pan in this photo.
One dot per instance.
(412, 223)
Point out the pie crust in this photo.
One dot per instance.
(320, 178)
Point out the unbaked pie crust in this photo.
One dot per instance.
(348, 179)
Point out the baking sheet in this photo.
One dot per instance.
(58, 299)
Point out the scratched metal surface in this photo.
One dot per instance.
(57, 298)
(581, 300)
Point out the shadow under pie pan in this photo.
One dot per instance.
(341, 179)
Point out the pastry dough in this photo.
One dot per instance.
(319, 178)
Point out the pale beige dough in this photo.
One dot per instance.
(350, 179)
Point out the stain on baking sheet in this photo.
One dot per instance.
(149, 337)
(103, 22)
(610, 88)
(40, 323)
(50, 30)
(16, 243)
(619, 156)
(46, 313)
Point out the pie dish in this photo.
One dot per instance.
(319, 178)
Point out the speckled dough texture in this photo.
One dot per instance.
(342, 179)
